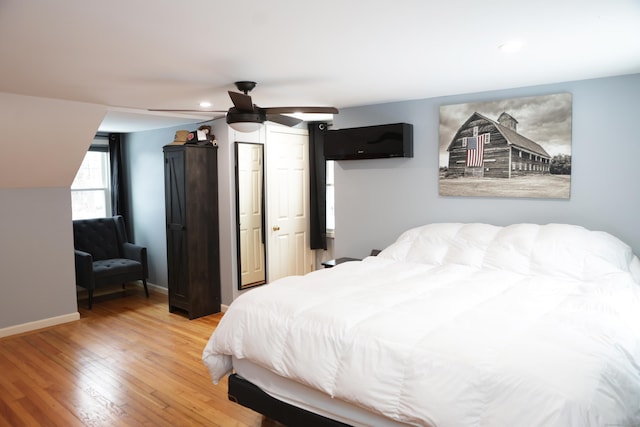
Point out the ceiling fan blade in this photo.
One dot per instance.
(283, 120)
(173, 110)
(280, 110)
(241, 101)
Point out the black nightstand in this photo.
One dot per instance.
(334, 262)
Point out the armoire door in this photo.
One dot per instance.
(176, 225)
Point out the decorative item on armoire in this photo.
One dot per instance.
(201, 136)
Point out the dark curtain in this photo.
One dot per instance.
(318, 185)
(119, 200)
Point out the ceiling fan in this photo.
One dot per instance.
(245, 116)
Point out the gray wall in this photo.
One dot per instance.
(42, 144)
(396, 194)
(145, 171)
(37, 279)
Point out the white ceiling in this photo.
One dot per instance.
(131, 55)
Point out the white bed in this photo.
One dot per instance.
(451, 325)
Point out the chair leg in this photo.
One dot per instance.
(146, 290)
(90, 298)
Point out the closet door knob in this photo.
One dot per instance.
(275, 228)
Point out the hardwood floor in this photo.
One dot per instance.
(127, 362)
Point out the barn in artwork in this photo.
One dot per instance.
(494, 149)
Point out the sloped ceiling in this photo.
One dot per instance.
(43, 141)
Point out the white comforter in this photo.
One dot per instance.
(458, 325)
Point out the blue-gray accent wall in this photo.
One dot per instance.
(395, 194)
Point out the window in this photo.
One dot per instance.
(331, 214)
(90, 191)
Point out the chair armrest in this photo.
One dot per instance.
(138, 253)
(132, 251)
(84, 269)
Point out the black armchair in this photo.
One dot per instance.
(104, 255)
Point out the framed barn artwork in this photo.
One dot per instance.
(519, 147)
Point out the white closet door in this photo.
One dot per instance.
(288, 202)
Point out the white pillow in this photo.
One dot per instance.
(574, 251)
(555, 249)
(512, 247)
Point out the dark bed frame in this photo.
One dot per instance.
(251, 396)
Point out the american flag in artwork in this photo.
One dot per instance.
(475, 150)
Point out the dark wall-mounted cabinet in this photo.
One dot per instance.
(193, 250)
(369, 142)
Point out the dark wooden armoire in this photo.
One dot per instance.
(193, 250)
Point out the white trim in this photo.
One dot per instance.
(156, 288)
(39, 324)
(71, 317)
(109, 289)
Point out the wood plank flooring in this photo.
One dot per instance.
(127, 362)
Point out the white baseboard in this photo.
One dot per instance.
(162, 290)
(39, 324)
(109, 289)
(82, 295)
(52, 321)
(156, 288)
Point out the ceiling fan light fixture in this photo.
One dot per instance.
(244, 122)
(245, 127)
(245, 116)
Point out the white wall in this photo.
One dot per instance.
(228, 218)
(396, 194)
